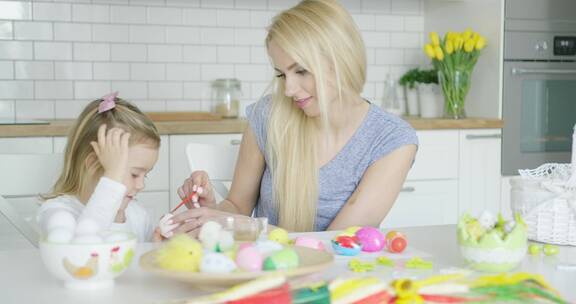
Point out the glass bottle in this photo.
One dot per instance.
(225, 97)
(391, 101)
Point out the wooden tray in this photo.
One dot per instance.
(183, 116)
(311, 261)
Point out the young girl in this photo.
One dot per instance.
(111, 148)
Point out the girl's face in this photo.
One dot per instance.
(299, 83)
(141, 159)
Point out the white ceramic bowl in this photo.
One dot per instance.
(88, 266)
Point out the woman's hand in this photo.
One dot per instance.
(198, 182)
(112, 152)
(192, 219)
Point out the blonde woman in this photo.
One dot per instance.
(316, 155)
(110, 149)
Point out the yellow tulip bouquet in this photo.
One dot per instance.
(455, 57)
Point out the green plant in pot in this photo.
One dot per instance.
(409, 81)
(429, 93)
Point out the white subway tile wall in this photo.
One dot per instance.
(56, 56)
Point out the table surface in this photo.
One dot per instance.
(23, 278)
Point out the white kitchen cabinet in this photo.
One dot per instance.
(422, 203)
(436, 157)
(479, 171)
(179, 169)
(16, 145)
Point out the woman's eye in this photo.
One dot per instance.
(301, 72)
(134, 175)
(280, 75)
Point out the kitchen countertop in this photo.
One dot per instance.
(61, 127)
(24, 279)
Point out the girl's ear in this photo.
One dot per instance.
(91, 163)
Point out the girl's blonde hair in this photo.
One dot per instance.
(321, 36)
(79, 171)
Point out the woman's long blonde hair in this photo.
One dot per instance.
(81, 166)
(321, 36)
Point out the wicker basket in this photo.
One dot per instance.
(544, 200)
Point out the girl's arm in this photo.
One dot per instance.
(377, 190)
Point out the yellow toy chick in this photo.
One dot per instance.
(180, 253)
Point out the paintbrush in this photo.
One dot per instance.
(187, 199)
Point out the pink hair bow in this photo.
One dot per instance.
(107, 102)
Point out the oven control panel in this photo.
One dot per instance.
(565, 45)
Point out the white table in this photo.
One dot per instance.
(23, 278)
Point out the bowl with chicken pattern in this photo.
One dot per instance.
(89, 265)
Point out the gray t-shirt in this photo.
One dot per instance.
(379, 134)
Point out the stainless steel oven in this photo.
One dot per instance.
(539, 85)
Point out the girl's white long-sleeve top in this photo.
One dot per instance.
(102, 208)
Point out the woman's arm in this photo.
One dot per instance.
(243, 192)
(247, 176)
(377, 190)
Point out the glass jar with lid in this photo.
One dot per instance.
(225, 97)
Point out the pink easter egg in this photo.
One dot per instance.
(310, 242)
(249, 259)
(371, 239)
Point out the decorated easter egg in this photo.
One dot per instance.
(283, 259)
(396, 242)
(249, 259)
(279, 235)
(266, 247)
(371, 239)
(310, 242)
(214, 262)
(60, 235)
(62, 219)
(346, 245)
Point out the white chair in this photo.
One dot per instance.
(218, 161)
(23, 177)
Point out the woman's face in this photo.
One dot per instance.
(299, 83)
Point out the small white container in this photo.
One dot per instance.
(431, 102)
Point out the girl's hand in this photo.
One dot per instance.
(192, 219)
(198, 182)
(112, 151)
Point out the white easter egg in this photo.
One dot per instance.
(266, 247)
(87, 226)
(213, 262)
(87, 239)
(62, 219)
(60, 235)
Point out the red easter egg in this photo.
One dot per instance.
(395, 241)
(397, 245)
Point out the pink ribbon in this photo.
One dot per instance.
(107, 102)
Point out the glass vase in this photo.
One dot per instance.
(455, 85)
